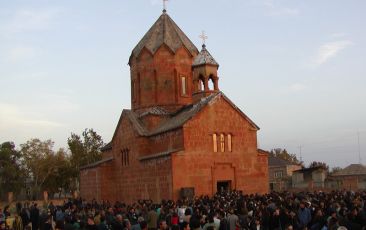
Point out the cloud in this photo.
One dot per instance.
(330, 50)
(14, 116)
(156, 2)
(276, 10)
(28, 20)
(297, 87)
(338, 35)
(21, 53)
(60, 103)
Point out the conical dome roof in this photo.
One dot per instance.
(164, 31)
(204, 58)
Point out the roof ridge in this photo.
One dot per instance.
(164, 31)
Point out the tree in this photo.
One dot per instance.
(336, 169)
(61, 176)
(319, 164)
(85, 149)
(47, 170)
(283, 154)
(11, 172)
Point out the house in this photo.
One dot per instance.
(309, 178)
(280, 173)
(353, 177)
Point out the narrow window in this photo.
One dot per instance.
(211, 84)
(214, 141)
(222, 142)
(229, 143)
(183, 85)
(133, 88)
(122, 157)
(125, 153)
(201, 85)
(128, 156)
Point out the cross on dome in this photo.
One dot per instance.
(164, 5)
(203, 37)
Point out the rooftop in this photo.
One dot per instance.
(164, 31)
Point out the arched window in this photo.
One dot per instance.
(214, 141)
(229, 147)
(222, 142)
(211, 84)
(183, 85)
(201, 83)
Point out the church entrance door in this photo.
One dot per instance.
(223, 186)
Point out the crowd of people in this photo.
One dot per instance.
(230, 210)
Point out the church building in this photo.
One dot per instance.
(182, 133)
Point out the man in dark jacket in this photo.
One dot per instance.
(34, 217)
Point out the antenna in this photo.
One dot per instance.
(300, 148)
(359, 149)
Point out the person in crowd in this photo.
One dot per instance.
(227, 210)
(152, 218)
(34, 216)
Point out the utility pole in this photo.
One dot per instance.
(300, 148)
(359, 149)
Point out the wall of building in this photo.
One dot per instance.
(200, 167)
(155, 78)
(136, 178)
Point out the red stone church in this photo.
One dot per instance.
(181, 132)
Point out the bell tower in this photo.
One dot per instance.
(161, 68)
(205, 79)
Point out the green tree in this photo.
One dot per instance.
(283, 154)
(85, 149)
(319, 164)
(61, 176)
(44, 166)
(11, 172)
(336, 169)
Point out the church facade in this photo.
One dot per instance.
(181, 132)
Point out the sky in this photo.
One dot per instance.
(296, 68)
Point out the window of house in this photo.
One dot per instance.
(184, 85)
(125, 157)
(211, 84)
(133, 90)
(278, 174)
(229, 147)
(122, 157)
(222, 142)
(214, 141)
(201, 84)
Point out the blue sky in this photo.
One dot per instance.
(297, 68)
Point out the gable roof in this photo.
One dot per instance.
(352, 169)
(178, 119)
(106, 147)
(276, 161)
(164, 31)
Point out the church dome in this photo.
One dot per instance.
(164, 31)
(204, 58)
